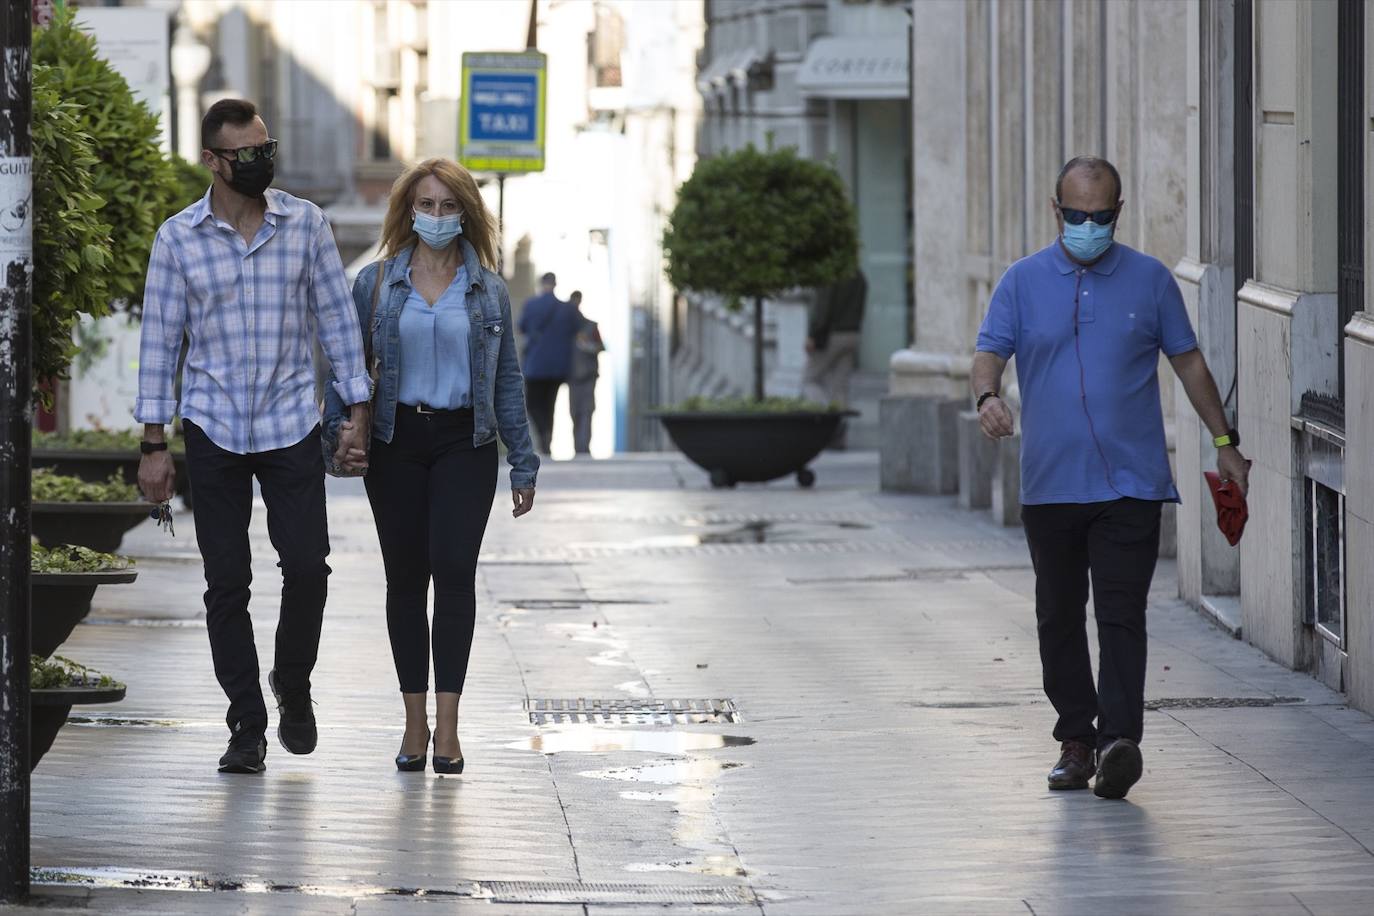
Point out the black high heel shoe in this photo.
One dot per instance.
(413, 763)
(448, 766)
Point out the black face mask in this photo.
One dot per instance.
(251, 178)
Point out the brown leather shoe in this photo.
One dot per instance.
(1074, 767)
(1118, 769)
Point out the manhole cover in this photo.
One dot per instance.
(632, 712)
(611, 893)
(1220, 702)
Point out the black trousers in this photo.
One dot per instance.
(431, 495)
(292, 482)
(1115, 544)
(541, 397)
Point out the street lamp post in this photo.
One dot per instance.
(16, 398)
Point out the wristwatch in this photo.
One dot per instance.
(983, 397)
(148, 448)
(1231, 438)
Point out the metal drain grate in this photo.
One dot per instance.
(582, 711)
(612, 893)
(1220, 702)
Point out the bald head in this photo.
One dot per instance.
(1088, 172)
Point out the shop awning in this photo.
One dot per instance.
(856, 67)
(730, 67)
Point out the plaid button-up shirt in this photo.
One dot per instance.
(249, 311)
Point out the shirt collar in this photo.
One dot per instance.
(276, 206)
(1104, 265)
(399, 267)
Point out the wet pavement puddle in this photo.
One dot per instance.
(592, 740)
(754, 532)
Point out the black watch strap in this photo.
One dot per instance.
(983, 397)
(148, 448)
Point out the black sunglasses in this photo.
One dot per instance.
(1078, 217)
(247, 154)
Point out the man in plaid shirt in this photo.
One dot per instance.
(247, 273)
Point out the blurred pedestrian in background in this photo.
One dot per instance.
(585, 369)
(549, 325)
(1086, 318)
(832, 343)
(448, 382)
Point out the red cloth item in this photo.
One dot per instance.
(1232, 511)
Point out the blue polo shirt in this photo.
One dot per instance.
(1091, 424)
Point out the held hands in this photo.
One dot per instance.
(1231, 465)
(157, 476)
(354, 435)
(995, 419)
(523, 499)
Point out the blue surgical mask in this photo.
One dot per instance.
(1087, 240)
(438, 231)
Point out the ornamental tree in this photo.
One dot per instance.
(749, 225)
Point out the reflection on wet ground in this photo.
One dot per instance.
(761, 531)
(591, 740)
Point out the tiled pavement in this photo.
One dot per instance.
(881, 652)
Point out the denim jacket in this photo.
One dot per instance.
(498, 395)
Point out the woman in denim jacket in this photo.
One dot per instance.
(436, 320)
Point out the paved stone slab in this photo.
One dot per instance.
(889, 758)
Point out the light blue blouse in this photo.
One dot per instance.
(436, 368)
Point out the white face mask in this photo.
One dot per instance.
(438, 231)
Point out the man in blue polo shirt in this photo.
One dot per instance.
(1087, 318)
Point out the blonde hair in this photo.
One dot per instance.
(479, 228)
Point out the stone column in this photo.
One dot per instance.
(1286, 322)
(1359, 501)
(1207, 565)
(929, 382)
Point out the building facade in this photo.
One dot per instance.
(357, 90)
(1240, 130)
(831, 79)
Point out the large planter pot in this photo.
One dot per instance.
(96, 465)
(753, 447)
(61, 601)
(99, 526)
(49, 708)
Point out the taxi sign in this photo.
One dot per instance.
(501, 117)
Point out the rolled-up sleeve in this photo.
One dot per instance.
(341, 337)
(164, 325)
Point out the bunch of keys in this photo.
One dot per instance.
(163, 513)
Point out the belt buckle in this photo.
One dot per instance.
(420, 409)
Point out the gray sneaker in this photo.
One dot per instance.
(1118, 768)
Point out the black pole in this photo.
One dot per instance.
(501, 223)
(758, 348)
(16, 415)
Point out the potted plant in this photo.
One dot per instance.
(55, 686)
(63, 580)
(748, 226)
(69, 510)
(95, 454)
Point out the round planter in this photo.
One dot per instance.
(753, 447)
(99, 526)
(49, 708)
(61, 601)
(96, 465)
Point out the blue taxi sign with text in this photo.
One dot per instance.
(501, 119)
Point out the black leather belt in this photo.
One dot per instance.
(426, 410)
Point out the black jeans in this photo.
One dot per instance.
(541, 397)
(292, 481)
(431, 495)
(1116, 544)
